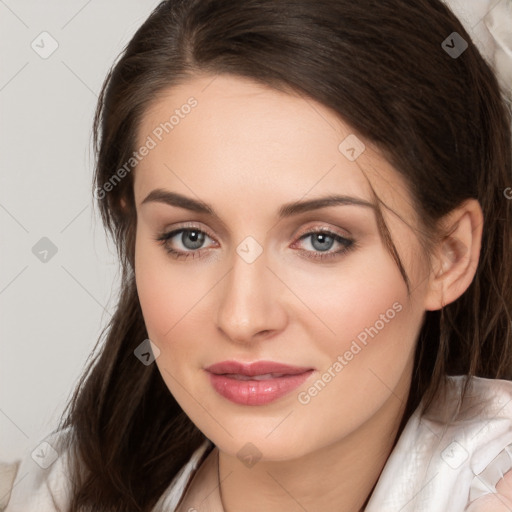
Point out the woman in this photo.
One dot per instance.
(309, 203)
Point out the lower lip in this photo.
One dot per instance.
(256, 392)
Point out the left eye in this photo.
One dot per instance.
(322, 241)
(192, 240)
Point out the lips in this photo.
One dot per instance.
(257, 383)
(258, 368)
(266, 376)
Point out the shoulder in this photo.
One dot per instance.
(488, 409)
(484, 398)
(453, 454)
(42, 478)
(478, 427)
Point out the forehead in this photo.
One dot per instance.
(222, 135)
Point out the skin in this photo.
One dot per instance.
(500, 501)
(247, 149)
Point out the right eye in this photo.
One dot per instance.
(190, 238)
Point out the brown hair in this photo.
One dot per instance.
(440, 121)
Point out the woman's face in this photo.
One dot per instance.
(250, 280)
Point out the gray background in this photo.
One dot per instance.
(52, 311)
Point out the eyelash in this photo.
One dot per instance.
(348, 243)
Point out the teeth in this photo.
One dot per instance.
(266, 376)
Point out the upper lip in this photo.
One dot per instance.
(256, 368)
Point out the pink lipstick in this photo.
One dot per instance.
(257, 383)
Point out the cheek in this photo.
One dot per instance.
(365, 365)
(365, 326)
(361, 295)
(167, 292)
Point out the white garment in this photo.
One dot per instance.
(436, 466)
(489, 23)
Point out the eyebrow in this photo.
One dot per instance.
(160, 195)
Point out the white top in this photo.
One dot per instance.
(437, 465)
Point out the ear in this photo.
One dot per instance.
(455, 258)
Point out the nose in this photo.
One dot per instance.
(249, 304)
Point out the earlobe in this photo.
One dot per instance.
(455, 259)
